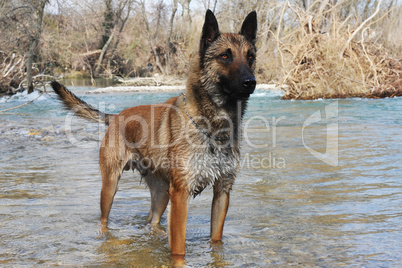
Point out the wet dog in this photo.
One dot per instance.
(187, 143)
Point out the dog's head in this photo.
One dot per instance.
(228, 60)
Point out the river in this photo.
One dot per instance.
(320, 186)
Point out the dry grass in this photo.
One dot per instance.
(331, 65)
(11, 72)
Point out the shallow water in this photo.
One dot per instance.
(320, 185)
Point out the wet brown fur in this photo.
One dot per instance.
(174, 155)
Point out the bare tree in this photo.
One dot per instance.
(169, 37)
(38, 9)
(186, 9)
(208, 4)
(22, 23)
(152, 36)
(108, 23)
(114, 23)
(127, 6)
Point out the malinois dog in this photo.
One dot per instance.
(187, 143)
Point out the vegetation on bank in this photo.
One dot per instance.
(319, 49)
(342, 61)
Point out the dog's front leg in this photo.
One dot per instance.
(220, 205)
(178, 219)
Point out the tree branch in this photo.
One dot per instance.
(359, 28)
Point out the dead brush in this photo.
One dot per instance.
(332, 65)
(11, 71)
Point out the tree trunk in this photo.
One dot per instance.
(170, 36)
(150, 39)
(103, 53)
(186, 9)
(29, 58)
(108, 23)
(34, 43)
(215, 4)
(123, 23)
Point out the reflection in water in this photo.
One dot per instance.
(287, 206)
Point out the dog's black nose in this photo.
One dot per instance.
(249, 83)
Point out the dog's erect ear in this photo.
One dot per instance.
(210, 31)
(249, 27)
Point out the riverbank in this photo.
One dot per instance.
(161, 83)
(161, 88)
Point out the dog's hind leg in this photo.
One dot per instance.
(110, 181)
(159, 197)
(220, 205)
(111, 169)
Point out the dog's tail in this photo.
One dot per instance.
(80, 107)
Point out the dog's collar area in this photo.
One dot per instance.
(203, 131)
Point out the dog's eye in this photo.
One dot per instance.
(226, 57)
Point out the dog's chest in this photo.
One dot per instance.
(210, 164)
